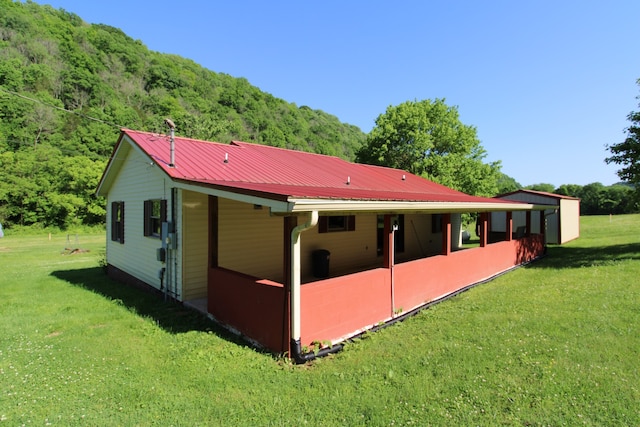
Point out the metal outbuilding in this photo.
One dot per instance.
(562, 216)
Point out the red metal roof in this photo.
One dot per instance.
(281, 173)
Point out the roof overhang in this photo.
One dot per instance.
(328, 206)
(282, 205)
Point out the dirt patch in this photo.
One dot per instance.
(70, 251)
(54, 334)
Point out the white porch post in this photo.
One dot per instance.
(295, 275)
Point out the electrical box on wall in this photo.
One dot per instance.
(161, 254)
(171, 241)
(168, 236)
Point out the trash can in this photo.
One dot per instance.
(321, 263)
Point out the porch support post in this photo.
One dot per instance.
(213, 251)
(527, 232)
(484, 229)
(509, 227)
(389, 258)
(543, 223)
(290, 223)
(295, 282)
(446, 234)
(388, 249)
(213, 231)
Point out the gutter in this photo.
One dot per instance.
(382, 206)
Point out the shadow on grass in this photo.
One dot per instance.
(559, 257)
(171, 316)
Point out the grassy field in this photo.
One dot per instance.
(555, 343)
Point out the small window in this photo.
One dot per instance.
(117, 222)
(330, 224)
(155, 213)
(436, 223)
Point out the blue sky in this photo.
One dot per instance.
(547, 84)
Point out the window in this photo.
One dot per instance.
(117, 222)
(398, 235)
(436, 223)
(329, 224)
(155, 213)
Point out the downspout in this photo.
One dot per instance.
(296, 347)
(174, 246)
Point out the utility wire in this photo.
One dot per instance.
(10, 92)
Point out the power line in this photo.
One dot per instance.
(10, 92)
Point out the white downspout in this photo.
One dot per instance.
(295, 278)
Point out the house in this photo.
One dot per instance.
(562, 214)
(290, 249)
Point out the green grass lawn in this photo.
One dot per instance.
(554, 343)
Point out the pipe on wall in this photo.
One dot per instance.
(296, 348)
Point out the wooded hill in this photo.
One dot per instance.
(67, 87)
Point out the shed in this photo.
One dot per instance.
(562, 216)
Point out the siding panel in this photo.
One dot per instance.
(349, 249)
(136, 182)
(250, 240)
(195, 244)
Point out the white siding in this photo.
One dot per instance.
(250, 240)
(535, 221)
(349, 249)
(536, 199)
(498, 222)
(195, 244)
(570, 220)
(419, 242)
(136, 182)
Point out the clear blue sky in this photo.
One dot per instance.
(546, 83)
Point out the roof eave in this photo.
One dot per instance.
(325, 205)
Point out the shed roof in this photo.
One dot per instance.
(539, 193)
(297, 178)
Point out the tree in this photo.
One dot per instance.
(627, 152)
(547, 188)
(592, 200)
(507, 184)
(571, 190)
(428, 139)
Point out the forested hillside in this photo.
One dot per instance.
(66, 87)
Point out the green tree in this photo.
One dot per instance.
(627, 152)
(547, 188)
(592, 199)
(507, 184)
(571, 190)
(428, 139)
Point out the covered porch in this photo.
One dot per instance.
(302, 312)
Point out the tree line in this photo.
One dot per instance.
(596, 198)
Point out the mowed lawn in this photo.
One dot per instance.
(553, 343)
